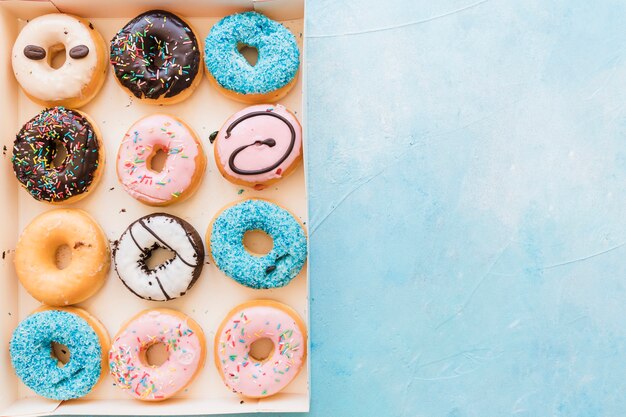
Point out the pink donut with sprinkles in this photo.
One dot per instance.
(258, 145)
(247, 324)
(129, 362)
(182, 169)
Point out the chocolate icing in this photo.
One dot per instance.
(155, 55)
(271, 142)
(34, 150)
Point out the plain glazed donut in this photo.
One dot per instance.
(184, 341)
(36, 146)
(248, 323)
(156, 57)
(79, 79)
(184, 166)
(275, 72)
(173, 278)
(35, 257)
(31, 352)
(275, 269)
(258, 145)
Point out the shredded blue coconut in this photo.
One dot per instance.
(278, 59)
(31, 354)
(275, 269)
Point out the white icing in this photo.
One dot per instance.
(38, 78)
(176, 274)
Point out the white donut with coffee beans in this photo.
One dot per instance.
(78, 79)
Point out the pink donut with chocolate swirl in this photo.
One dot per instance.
(258, 145)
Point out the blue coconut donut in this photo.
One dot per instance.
(271, 77)
(272, 270)
(31, 353)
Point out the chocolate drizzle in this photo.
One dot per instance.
(35, 149)
(159, 242)
(155, 55)
(270, 142)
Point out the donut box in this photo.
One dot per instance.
(214, 294)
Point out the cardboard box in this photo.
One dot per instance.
(114, 111)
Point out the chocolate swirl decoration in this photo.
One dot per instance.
(175, 276)
(35, 149)
(271, 142)
(156, 54)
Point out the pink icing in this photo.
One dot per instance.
(147, 382)
(145, 137)
(247, 376)
(258, 157)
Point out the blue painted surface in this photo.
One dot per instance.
(467, 178)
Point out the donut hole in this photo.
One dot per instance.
(156, 160)
(155, 354)
(249, 52)
(56, 56)
(59, 154)
(158, 55)
(63, 256)
(159, 256)
(261, 349)
(60, 353)
(257, 242)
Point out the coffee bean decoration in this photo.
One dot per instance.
(79, 51)
(34, 52)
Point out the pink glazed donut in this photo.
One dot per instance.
(251, 322)
(184, 164)
(184, 342)
(258, 145)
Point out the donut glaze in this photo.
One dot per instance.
(185, 344)
(171, 279)
(279, 57)
(35, 257)
(34, 150)
(248, 323)
(259, 145)
(31, 354)
(275, 269)
(156, 55)
(183, 168)
(81, 75)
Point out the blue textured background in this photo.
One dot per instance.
(467, 174)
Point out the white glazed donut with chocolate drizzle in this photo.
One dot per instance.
(258, 145)
(80, 77)
(171, 279)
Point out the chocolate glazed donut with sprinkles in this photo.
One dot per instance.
(157, 58)
(38, 151)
